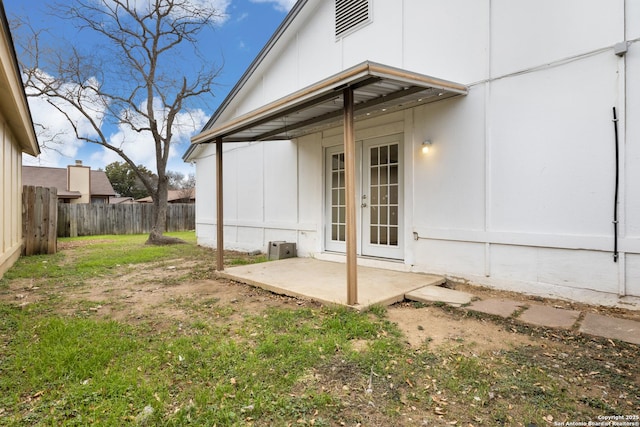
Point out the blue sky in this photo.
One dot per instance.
(235, 41)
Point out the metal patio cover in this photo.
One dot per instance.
(364, 90)
(377, 88)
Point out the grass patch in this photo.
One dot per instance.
(79, 371)
(100, 255)
(265, 362)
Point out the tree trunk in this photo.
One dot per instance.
(156, 236)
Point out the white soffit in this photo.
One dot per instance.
(377, 88)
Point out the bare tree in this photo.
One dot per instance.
(188, 188)
(133, 78)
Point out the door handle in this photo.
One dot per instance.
(363, 205)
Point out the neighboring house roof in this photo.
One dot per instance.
(120, 200)
(172, 197)
(100, 184)
(13, 103)
(57, 177)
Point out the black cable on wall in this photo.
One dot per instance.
(615, 200)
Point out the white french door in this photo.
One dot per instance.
(380, 191)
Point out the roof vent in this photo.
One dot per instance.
(351, 15)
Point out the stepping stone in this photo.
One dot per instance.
(611, 327)
(550, 317)
(439, 294)
(497, 307)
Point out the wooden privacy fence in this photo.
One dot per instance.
(135, 218)
(39, 218)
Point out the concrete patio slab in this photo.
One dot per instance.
(550, 317)
(497, 307)
(440, 294)
(611, 327)
(326, 282)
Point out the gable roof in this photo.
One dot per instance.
(57, 177)
(377, 88)
(13, 104)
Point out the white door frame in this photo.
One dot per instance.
(334, 205)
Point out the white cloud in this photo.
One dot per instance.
(56, 136)
(281, 5)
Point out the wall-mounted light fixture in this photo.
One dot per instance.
(426, 146)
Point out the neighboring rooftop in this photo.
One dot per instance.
(57, 177)
(175, 196)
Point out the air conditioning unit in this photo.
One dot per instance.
(281, 250)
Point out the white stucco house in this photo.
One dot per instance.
(528, 183)
(17, 136)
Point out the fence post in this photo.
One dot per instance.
(39, 220)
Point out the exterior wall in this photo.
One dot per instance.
(79, 179)
(264, 200)
(16, 136)
(11, 196)
(517, 191)
(309, 52)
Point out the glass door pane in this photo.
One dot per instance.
(338, 220)
(383, 190)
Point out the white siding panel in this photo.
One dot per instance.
(250, 178)
(552, 145)
(633, 274)
(519, 263)
(310, 179)
(206, 185)
(206, 234)
(556, 267)
(275, 235)
(578, 269)
(250, 239)
(230, 170)
(319, 53)
(309, 243)
(447, 39)
(632, 145)
(281, 78)
(280, 178)
(454, 258)
(380, 41)
(532, 33)
(633, 19)
(449, 180)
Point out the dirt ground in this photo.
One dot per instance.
(167, 294)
